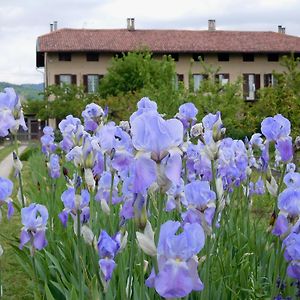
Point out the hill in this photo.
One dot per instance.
(27, 91)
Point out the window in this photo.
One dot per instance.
(198, 56)
(64, 56)
(63, 79)
(223, 57)
(222, 78)
(250, 86)
(91, 83)
(179, 78)
(273, 57)
(92, 56)
(269, 80)
(248, 57)
(198, 78)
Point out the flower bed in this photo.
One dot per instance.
(154, 208)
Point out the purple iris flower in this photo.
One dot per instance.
(158, 138)
(144, 105)
(198, 163)
(54, 167)
(284, 146)
(187, 114)
(117, 143)
(108, 248)
(274, 128)
(11, 114)
(292, 180)
(200, 203)
(292, 254)
(6, 187)
(177, 263)
(288, 201)
(151, 133)
(34, 219)
(277, 129)
(74, 203)
(47, 140)
(72, 132)
(232, 162)
(257, 188)
(92, 116)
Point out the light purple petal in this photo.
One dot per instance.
(39, 240)
(144, 174)
(173, 168)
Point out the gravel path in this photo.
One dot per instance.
(6, 165)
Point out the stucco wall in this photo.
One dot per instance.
(235, 66)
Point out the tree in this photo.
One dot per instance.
(282, 98)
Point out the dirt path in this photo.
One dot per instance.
(6, 165)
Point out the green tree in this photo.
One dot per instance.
(137, 75)
(282, 98)
(61, 101)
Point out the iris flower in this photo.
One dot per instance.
(177, 261)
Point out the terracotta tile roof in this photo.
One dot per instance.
(166, 41)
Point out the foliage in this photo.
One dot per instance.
(60, 102)
(214, 96)
(135, 71)
(283, 97)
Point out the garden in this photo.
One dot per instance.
(155, 206)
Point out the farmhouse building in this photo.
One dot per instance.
(82, 56)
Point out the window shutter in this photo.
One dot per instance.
(85, 83)
(257, 85)
(245, 85)
(56, 79)
(74, 79)
(257, 81)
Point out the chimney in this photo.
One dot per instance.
(55, 25)
(211, 25)
(281, 29)
(130, 24)
(51, 27)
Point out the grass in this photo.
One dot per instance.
(15, 281)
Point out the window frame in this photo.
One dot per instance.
(86, 83)
(58, 81)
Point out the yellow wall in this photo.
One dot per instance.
(235, 66)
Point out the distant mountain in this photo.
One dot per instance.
(27, 91)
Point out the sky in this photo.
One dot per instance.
(22, 21)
